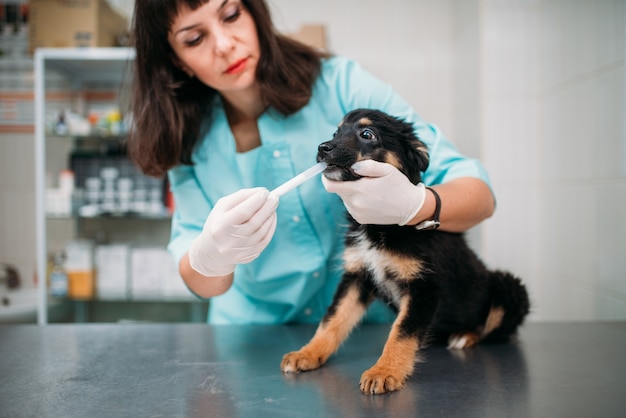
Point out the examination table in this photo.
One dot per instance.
(197, 370)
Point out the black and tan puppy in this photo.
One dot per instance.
(436, 283)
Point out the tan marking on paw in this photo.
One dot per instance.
(380, 379)
(494, 320)
(349, 312)
(392, 369)
(300, 361)
(328, 337)
(395, 364)
(463, 340)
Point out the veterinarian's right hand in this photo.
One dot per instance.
(236, 231)
(384, 196)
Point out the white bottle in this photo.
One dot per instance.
(58, 277)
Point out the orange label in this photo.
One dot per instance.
(81, 284)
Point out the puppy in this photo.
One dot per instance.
(432, 279)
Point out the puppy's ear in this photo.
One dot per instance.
(423, 158)
(416, 160)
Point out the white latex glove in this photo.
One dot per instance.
(384, 196)
(236, 231)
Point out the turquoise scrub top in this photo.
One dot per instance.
(295, 277)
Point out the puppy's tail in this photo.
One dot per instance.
(509, 306)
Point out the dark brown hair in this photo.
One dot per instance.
(168, 105)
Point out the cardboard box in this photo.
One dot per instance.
(74, 23)
(112, 271)
(312, 35)
(146, 273)
(154, 275)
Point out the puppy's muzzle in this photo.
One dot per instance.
(339, 161)
(323, 150)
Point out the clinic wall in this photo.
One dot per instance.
(553, 140)
(17, 204)
(535, 88)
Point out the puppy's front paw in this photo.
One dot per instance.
(379, 380)
(301, 361)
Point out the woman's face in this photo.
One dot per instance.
(218, 44)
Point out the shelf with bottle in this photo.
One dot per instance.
(79, 94)
(106, 123)
(84, 271)
(99, 180)
(113, 216)
(107, 188)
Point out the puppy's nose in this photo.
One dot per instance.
(325, 147)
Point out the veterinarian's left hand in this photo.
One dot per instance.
(384, 196)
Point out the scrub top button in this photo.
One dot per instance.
(277, 154)
(316, 274)
(308, 311)
(295, 218)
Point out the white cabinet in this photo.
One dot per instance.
(86, 81)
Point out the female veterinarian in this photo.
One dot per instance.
(230, 109)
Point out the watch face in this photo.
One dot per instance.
(427, 225)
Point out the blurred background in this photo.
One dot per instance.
(534, 88)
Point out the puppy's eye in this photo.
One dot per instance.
(368, 134)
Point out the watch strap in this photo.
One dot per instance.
(434, 222)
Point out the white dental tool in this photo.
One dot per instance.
(291, 184)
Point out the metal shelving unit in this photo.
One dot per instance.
(79, 70)
(80, 67)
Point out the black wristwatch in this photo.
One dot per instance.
(434, 222)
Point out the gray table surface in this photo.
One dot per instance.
(196, 370)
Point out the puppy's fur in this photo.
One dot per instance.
(437, 285)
